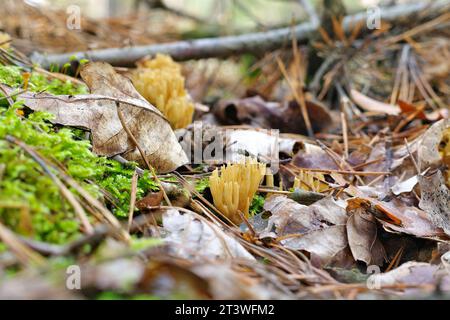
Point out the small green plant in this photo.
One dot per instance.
(247, 61)
(257, 204)
(139, 244)
(202, 184)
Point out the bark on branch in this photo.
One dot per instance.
(226, 46)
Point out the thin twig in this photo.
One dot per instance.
(24, 254)
(136, 143)
(134, 181)
(299, 98)
(345, 134)
(416, 166)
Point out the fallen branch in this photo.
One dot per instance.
(49, 249)
(226, 46)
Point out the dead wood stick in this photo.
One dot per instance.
(47, 249)
(226, 46)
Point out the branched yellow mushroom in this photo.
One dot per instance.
(160, 81)
(310, 181)
(4, 40)
(234, 185)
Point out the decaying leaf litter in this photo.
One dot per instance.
(93, 172)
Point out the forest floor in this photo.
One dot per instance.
(319, 169)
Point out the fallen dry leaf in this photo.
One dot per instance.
(412, 274)
(435, 199)
(428, 149)
(312, 156)
(286, 117)
(259, 143)
(191, 238)
(435, 195)
(362, 234)
(112, 92)
(398, 217)
(323, 244)
(405, 186)
(223, 144)
(234, 285)
(32, 286)
(161, 277)
(436, 115)
(318, 228)
(152, 199)
(117, 274)
(289, 217)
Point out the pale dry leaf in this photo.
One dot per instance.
(262, 144)
(29, 285)
(290, 217)
(318, 228)
(428, 149)
(222, 145)
(435, 195)
(324, 243)
(405, 186)
(116, 274)
(435, 200)
(191, 238)
(412, 273)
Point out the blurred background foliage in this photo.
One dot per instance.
(229, 16)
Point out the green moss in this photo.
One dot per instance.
(257, 204)
(24, 187)
(116, 180)
(202, 184)
(109, 295)
(13, 77)
(28, 196)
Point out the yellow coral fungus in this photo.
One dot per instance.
(234, 185)
(444, 149)
(160, 81)
(310, 181)
(4, 40)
